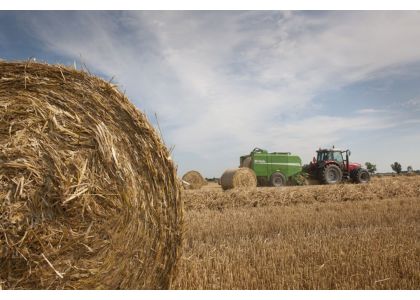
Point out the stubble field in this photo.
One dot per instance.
(315, 237)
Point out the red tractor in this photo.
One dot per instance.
(331, 167)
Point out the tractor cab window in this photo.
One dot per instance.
(320, 156)
(338, 157)
(324, 156)
(330, 155)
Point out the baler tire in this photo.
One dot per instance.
(277, 179)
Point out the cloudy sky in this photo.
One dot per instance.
(223, 83)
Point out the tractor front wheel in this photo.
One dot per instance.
(361, 176)
(277, 179)
(331, 174)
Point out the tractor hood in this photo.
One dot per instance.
(353, 166)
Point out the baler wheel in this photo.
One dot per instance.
(277, 179)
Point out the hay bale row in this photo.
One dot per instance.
(243, 178)
(89, 198)
(193, 180)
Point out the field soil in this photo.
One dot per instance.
(345, 236)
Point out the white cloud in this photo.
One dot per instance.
(413, 103)
(370, 111)
(222, 82)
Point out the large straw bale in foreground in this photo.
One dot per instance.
(194, 179)
(238, 178)
(88, 196)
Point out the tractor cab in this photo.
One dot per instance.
(326, 156)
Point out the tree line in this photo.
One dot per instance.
(396, 167)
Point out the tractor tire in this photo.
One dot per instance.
(361, 176)
(277, 179)
(331, 174)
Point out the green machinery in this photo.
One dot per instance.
(272, 169)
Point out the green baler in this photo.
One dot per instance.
(272, 169)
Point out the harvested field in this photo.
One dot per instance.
(387, 187)
(89, 198)
(317, 237)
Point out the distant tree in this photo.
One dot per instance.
(370, 167)
(409, 169)
(396, 166)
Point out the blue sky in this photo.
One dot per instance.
(223, 83)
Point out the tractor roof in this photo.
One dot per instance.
(331, 150)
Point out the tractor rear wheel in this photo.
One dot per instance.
(277, 179)
(331, 174)
(361, 176)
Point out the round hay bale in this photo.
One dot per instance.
(238, 178)
(194, 180)
(89, 198)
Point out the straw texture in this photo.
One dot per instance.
(89, 198)
(238, 178)
(194, 179)
(378, 188)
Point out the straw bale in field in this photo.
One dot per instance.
(89, 198)
(238, 178)
(194, 180)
